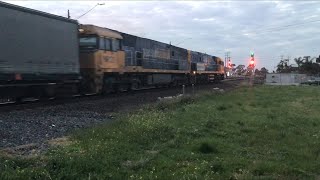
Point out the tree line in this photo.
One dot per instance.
(242, 70)
(305, 65)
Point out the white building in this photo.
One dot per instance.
(286, 78)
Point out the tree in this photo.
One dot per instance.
(299, 61)
(306, 65)
(248, 72)
(283, 66)
(318, 59)
(264, 70)
(240, 70)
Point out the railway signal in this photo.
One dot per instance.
(229, 64)
(252, 60)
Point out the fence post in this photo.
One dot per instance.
(183, 89)
(192, 89)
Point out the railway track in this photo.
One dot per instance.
(34, 102)
(30, 103)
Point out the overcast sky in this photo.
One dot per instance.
(270, 29)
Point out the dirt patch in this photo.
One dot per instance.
(34, 149)
(152, 152)
(63, 141)
(135, 164)
(27, 150)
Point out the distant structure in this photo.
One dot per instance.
(286, 78)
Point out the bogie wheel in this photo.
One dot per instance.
(6, 99)
(135, 85)
(18, 99)
(107, 89)
(175, 83)
(49, 92)
(108, 86)
(116, 87)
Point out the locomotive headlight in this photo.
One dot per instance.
(194, 72)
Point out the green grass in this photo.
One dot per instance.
(266, 132)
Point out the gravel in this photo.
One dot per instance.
(37, 125)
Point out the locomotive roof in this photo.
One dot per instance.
(101, 31)
(117, 34)
(154, 41)
(169, 44)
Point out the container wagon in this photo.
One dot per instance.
(39, 53)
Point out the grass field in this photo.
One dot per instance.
(266, 132)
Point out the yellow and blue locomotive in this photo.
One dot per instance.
(112, 61)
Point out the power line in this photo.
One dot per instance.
(295, 24)
(182, 41)
(98, 4)
(274, 29)
(290, 25)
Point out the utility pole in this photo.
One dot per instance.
(68, 14)
(227, 58)
(229, 66)
(227, 62)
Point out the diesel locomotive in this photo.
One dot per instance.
(111, 60)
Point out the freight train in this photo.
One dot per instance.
(44, 55)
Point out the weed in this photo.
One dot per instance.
(217, 167)
(241, 123)
(207, 148)
(212, 123)
(221, 107)
(246, 130)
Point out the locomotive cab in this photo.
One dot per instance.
(101, 55)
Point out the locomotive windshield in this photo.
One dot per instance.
(88, 42)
